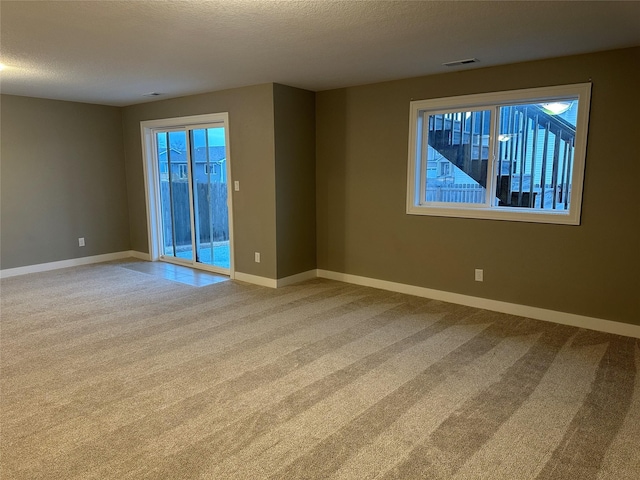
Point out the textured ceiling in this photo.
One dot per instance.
(114, 52)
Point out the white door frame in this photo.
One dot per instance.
(152, 174)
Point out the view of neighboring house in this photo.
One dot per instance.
(208, 167)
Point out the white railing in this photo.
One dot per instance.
(471, 193)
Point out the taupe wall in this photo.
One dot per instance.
(591, 269)
(294, 111)
(63, 177)
(251, 137)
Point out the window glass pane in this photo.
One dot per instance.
(165, 194)
(457, 153)
(208, 157)
(176, 195)
(535, 154)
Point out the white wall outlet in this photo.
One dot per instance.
(81, 242)
(257, 257)
(479, 275)
(236, 185)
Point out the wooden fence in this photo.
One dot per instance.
(211, 208)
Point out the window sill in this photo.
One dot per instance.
(498, 213)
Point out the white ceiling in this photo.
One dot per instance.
(114, 52)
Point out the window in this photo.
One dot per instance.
(516, 155)
(210, 169)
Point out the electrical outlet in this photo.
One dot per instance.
(479, 275)
(236, 185)
(257, 257)
(81, 242)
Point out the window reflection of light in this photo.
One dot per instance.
(555, 108)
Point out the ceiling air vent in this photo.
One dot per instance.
(152, 94)
(466, 61)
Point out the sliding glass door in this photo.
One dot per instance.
(175, 195)
(192, 190)
(211, 214)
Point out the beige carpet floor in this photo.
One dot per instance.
(110, 373)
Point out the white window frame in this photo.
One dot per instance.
(492, 101)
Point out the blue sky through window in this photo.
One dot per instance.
(216, 138)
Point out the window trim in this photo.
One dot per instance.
(493, 101)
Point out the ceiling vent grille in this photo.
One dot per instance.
(457, 63)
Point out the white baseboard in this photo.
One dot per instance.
(297, 278)
(140, 255)
(256, 280)
(281, 282)
(73, 262)
(554, 316)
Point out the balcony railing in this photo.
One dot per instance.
(456, 193)
(534, 164)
